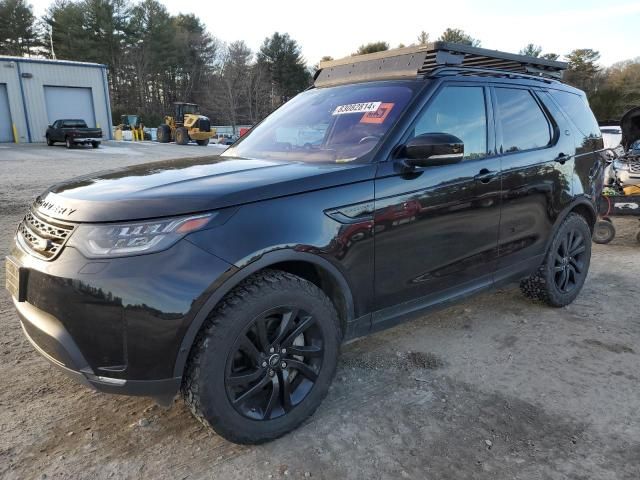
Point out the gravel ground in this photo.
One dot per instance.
(495, 387)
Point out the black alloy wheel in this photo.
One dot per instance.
(560, 278)
(265, 358)
(569, 264)
(274, 363)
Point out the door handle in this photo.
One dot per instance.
(485, 175)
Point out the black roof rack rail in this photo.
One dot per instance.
(423, 60)
(488, 72)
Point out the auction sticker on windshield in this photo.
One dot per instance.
(357, 108)
(379, 116)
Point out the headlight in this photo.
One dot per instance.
(134, 238)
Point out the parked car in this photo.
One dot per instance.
(73, 132)
(235, 278)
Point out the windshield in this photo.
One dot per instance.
(337, 124)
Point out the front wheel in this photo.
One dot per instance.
(49, 141)
(561, 277)
(68, 143)
(264, 360)
(182, 136)
(203, 143)
(95, 144)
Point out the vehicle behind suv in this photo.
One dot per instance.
(73, 132)
(400, 182)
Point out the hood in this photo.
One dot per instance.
(177, 187)
(630, 125)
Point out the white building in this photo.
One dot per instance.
(36, 92)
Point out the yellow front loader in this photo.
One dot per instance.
(186, 125)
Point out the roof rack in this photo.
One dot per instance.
(423, 60)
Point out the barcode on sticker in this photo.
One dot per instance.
(357, 108)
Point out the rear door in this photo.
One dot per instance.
(436, 228)
(535, 149)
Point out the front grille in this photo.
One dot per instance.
(204, 124)
(43, 238)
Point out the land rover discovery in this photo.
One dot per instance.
(401, 181)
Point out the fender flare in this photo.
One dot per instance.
(232, 281)
(577, 202)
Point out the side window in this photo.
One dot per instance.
(56, 124)
(524, 125)
(459, 111)
(577, 109)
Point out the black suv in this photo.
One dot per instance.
(398, 183)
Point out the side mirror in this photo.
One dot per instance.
(49, 126)
(431, 149)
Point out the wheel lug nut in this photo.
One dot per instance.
(284, 350)
(284, 365)
(264, 364)
(271, 373)
(271, 350)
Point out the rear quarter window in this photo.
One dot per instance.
(577, 109)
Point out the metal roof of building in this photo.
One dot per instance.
(9, 58)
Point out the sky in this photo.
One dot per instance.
(338, 27)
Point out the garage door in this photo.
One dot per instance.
(6, 132)
(70, 102)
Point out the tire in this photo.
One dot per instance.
(164, 133)
(95, 144)
(604, 232)
(182, 136)
(230, 346)
(68, 143)
(50, 142)
(203, 143)
(638, 237)
(566, 265)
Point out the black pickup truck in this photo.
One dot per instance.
(73, 132)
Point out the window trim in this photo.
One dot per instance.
(490, 145)
(552, 125)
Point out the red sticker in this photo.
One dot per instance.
(379, 116)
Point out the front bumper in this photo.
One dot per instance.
(116, 325)
(49, 337)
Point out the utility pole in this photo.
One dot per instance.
(53, 54)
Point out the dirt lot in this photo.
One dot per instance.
(496, 387)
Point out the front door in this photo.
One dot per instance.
(436, 228)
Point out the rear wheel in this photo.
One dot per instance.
(95, 144)
(182, 136)
(561, 277)
(203, 143)
(604, 232)
(265, 359)
(164, 133)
